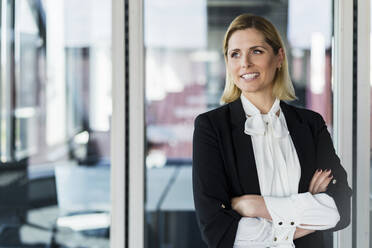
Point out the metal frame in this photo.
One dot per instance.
(7, 81)
(343, 97)
(118, 203)
(136, 124)
(135, 217)
(362, 192)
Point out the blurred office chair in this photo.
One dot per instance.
(18, 194)
(13, 200)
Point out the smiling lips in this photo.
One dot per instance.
(250, 76)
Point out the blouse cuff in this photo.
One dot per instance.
(254, 232)
(285, 217)
(314, 212)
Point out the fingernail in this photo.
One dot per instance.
(330, 176)
(318, 170)
(327, 170)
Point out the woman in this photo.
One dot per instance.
(265, 173)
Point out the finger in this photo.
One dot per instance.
(325, 183)
(320, 180)
(314, 179)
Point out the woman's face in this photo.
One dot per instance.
(251, 62)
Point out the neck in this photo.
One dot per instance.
(262, 102)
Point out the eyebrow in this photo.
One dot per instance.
(254, 47)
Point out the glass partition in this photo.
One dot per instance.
(185, 75)
(55, 123)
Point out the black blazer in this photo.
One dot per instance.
(224, 167)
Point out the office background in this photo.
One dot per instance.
(98, 100)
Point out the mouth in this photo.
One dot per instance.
(250, 76)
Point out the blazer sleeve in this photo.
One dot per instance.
(217, 221)
(338, 188)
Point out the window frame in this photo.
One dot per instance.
(118, 126)
(343, 98)
(363, 144)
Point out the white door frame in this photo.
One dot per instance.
(118, 155)
(343, 98)
(136, 105)
(136, 125)
(362, 192)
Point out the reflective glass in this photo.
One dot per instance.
(185, 75)
(370, 176)
(55, 123)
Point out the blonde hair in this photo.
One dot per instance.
(283, 87)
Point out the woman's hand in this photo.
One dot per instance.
(320, 181)
(250, 206)
(254, 206)
(300, 232)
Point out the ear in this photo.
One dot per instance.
(280, 57)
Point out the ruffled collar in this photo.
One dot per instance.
(261, 124)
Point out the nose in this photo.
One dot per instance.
(246, 61)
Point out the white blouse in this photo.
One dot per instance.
(279, 173)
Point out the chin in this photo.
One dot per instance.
(248, 89)
(252, 87)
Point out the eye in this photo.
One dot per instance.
(257, 51)
(234, 55)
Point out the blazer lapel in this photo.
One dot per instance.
(302, 138)
(245, 160)
(244, 154)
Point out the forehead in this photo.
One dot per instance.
(247, 37)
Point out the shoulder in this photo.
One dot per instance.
(305, 115)
(215, 115)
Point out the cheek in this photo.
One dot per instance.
(270, 67)
(232, 68)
